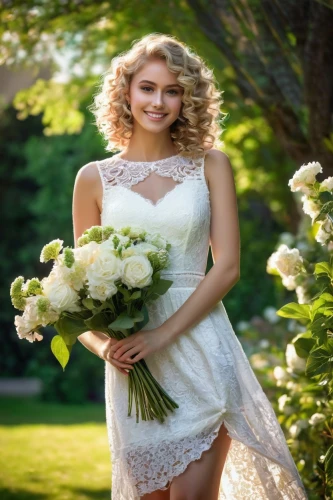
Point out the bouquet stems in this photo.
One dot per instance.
(151, 400)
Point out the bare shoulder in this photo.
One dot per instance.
(89, 183)
(217, 167)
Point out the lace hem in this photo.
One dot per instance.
(259, 477)
(147, 480)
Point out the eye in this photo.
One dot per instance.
(144, 88)
(173, 90)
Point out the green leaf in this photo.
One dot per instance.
(294, 310)
(325, 209)
(322, 268)
(122, 322)
(60, 350)
(158, 288)
(319, 327)
(69, 328)
(88, 303)
(126, 293)
(137, 316)
(320, 361)
(328, 464)
(98, 322)
(135, 295)
(139, 325)
(303, 346)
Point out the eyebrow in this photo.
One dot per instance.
(152, 83)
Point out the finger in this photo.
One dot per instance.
(123, 349)
(117, 364)
(136, 358)
(127, 355)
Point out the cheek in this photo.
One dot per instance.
(175, 104)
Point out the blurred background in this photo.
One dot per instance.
(273, 61)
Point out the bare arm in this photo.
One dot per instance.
(225, 245)
(87, 190)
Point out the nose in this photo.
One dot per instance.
(158, 100)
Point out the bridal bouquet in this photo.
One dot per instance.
(104, 284)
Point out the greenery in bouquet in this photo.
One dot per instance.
(105, 284)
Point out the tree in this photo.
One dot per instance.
(281, 52)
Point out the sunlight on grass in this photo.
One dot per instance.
(54, 461)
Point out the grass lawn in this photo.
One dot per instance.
(52, 451)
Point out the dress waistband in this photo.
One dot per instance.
(183, 279)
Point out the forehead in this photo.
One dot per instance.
(155, 70)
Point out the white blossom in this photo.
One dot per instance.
(136, 271)
(302, 297)
(310, 207)
(294, 362)
(317, 418)
(284, 405)
(288, 262)
(281, 375)
(326, 184)
(61, 295)
(305, 177)
(324, 231)
(297, 427)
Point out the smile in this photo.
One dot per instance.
(155, 116)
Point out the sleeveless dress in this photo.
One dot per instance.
(205, 369)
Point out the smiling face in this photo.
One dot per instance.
(155, 96)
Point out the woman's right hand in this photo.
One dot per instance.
(107, 356)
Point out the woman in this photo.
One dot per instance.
(159, 105)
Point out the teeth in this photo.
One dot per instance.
(153, 115)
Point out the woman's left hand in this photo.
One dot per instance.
(140, 344)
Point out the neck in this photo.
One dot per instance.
(146, 146)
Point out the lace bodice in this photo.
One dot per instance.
(181, 215)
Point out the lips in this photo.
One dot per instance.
(155, 115)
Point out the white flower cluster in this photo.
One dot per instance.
(304, 179)
(288, 264)
(96, 269)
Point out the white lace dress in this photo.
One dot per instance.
(205, 369)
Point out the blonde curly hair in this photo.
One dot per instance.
(200, 123)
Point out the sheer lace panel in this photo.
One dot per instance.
(116, 171)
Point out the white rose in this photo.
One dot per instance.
(136, 271)
(326, 185)
(105, 268)
(103, 291)
(157, 240)
(294, 362)
(324, 232)
(144, 248)
(87, 253)
(310, 207)
(305, 177)
(317, 418)
(60, 294)
(288, 261)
